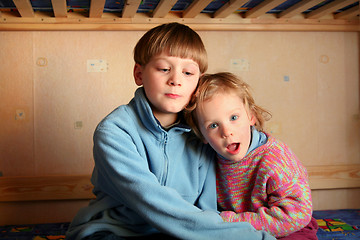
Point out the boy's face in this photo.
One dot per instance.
(225, 125)
(169, 83)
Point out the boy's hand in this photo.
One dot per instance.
(227, 216)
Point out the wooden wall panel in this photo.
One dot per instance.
(16, 104)
(308, 80)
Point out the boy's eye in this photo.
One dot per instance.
(234, 117)
(213, 125)
(188, 73)
(164, 69)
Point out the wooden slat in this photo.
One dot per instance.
(198, 26)
(348, 13)
(329, 8)
(229, 8)
(24, 7)
(334, 177)
(298, 8)
(45, 188)
(163, 8)
(96, 8)
(130, 8)
(195, 8)
(262, 8)
(59, 7)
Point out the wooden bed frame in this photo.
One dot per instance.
(79, 187)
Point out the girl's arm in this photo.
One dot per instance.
(289, 209)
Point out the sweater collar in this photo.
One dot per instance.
(148, 118)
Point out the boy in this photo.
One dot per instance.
(150, 175)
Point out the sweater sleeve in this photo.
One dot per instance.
(124, 175)
(289, 209)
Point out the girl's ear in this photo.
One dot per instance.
(138, 74)
(252, 118)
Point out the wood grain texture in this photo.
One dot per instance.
(80, 187)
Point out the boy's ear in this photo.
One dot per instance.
(138, 74)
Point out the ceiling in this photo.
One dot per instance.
(258, 15)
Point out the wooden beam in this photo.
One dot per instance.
(334, 177)
(262, 8)
(229, 8)
(298, 8)
(45, 188)
(79, 187)
(163, 8)
(24, 7)
(130, 8)
(195, 8)
(59, 7)
(329, 8)
(348, 13)
(96, 8)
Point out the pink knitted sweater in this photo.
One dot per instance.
(267, 188)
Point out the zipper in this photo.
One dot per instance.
(166, 161)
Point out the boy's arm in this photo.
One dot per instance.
(124, 175)
(289, 210)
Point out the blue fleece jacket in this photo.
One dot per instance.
(147, 179)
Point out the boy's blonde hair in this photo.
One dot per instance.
(175, 39)
(211, 84)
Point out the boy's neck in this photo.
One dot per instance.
(166, 119)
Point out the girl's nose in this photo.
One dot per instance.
(226, 132)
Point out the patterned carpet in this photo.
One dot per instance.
(333, 225)
(338, 224)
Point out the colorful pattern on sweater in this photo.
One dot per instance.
(268, 188)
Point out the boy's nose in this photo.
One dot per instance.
(175, 80)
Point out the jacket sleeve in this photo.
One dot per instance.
(288, 210)
(124, 175)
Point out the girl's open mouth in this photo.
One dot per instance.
(233, 148)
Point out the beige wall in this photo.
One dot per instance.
(44, 75)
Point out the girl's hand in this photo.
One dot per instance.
(227, 216)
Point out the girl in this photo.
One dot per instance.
(259, 179)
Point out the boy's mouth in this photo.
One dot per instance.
(173, 96)
(233, 148)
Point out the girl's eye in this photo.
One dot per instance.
(213, 125)
(234, 117)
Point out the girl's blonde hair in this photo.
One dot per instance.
(175, 39)
(210, 84)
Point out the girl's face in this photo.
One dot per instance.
(226, 125)
(169, 83)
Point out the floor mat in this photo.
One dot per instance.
(333, 225)
(338, 224)
(53, 231)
